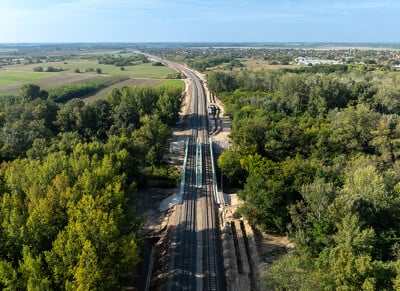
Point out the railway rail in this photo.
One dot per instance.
(195, 253)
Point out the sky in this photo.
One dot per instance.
(351, 21)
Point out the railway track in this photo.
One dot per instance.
(195, 253)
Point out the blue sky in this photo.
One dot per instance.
(199, 21)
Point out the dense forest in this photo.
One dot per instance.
(316, 154)
(67, 178)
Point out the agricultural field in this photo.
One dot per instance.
(76, 70)
(138, 71)
(12, 77)
(50, 81)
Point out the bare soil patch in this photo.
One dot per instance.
(271, 246)
(148, 201)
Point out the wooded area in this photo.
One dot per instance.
(316, 154)
(68, 176)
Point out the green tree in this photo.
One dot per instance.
(87, 275)
(168, 106)
(386, 138)
(31, 92)
(67, 116)
(310, 216)
(43, 110)
(150, 138)
(8, 276)
(294, 271)
(229, 164)
(353, 127)
(349, 264)
(219, 82)
(33, 272)
(294, 92)
(38, 69)
(12, 226)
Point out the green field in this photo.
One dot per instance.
(174, 83)
(14, 76)
(138, 71)
(11, 77)
(24, 73)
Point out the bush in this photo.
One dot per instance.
(38, 69)
(158, 64)
(52, 69)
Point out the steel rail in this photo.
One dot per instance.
(183, 267)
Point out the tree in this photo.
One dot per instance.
(271, 187)
(39, 109)
(33, 272)
(349, 264)
(229, 164)
(386, 138)
(87, 274)
(364, 183)
(353, 127)
(150, 138)
(310, 216)
(30, 92)
(13, 220)
(294, 271)
(101, 110)
(294, 92)
(8, 276)
(219, 82)
(250, 136)
(38, 69)
(68, 115)
(168, 106)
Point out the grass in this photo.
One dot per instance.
(174, 83)
(24, 73)
(10, 77)
(48, 82)
(14, 76)
(138, 71)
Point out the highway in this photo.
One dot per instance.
(195, 249)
